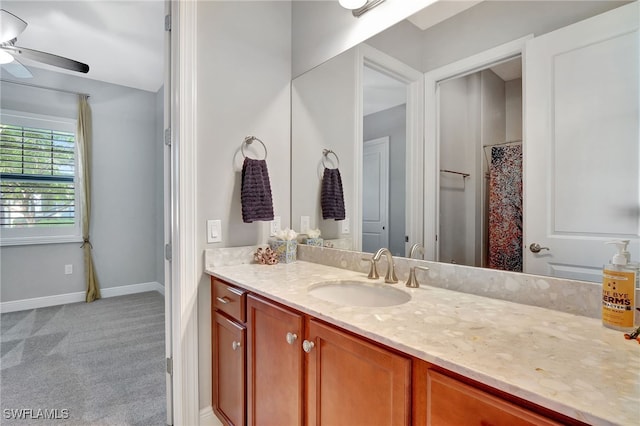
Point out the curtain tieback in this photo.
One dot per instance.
(85, 242)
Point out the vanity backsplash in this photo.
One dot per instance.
(574, 297)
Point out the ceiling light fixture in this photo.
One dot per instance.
(352, 4)
(370, 4)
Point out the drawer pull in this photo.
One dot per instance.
(291, 338)
(235, 345)
(307, 346)
(224, 300)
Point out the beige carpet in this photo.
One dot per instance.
(100, 363)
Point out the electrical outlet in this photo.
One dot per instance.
(214, 231)
(275, 226)
(304, 224)
(68, 269)
(346, 226)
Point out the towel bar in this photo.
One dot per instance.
(325, 156)
(248, 141)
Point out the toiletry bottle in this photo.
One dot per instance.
(619, 282)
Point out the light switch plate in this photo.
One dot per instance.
(304, 224)
(346, 226)
(275, 226)
(214, 231)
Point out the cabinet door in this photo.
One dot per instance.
(229, 361)
(275, 364)
(452, 403)
(354, 382)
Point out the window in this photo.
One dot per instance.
(38, 180)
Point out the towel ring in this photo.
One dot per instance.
(248, 141)
(325, 156)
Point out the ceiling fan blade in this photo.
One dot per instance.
(47, 58)
(16, 69)
(10, 26)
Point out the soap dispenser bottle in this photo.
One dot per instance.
(619, 282)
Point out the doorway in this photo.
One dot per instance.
(390, 107)
(480, 167)
(384, 162)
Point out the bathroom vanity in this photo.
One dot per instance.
(284, 356)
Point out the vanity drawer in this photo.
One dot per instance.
(228, 299)
(451, 402)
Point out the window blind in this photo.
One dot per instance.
(37, 177)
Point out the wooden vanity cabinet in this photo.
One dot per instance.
(275, 369)
(301, 371)
(348, 380)
(228, 338)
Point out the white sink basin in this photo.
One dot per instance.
(359, 293)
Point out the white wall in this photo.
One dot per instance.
(492, 23)
(459, 136)
(244, 75)
(123, 195)
(513, 94)
(323, 106)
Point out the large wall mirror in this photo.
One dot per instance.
(476, 138)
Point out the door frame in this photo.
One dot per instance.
(167, 215)
(469, 65)
(185, 271)
(373, 58)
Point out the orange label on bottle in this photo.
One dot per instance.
(618, 292)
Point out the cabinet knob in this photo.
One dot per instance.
(291, 338)
(307, 346)
(235, 345)
(224, 300)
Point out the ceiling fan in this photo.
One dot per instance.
(10, 27)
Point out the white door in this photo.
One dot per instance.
(375, 194)
(581, 177)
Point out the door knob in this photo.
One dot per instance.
(291, 338)
(307, 346)
(235, 345)
(535, 248)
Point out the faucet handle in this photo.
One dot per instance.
(373, 270)
(412, 281)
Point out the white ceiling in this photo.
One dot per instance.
(381, 92)
(121, 41)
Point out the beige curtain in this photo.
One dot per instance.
(84, 148)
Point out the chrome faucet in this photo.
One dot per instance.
(414, 248)
(390, 276)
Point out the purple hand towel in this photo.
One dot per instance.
(331, 197)
(255, 192)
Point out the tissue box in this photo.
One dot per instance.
(285, 250)
(319, 242)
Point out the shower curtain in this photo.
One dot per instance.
(505, 208)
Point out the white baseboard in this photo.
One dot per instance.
(79, 296)
(207, 418)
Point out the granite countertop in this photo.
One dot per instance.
(567, 363)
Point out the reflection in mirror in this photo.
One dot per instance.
(383, 162)
(480, 202)
(325, 98)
